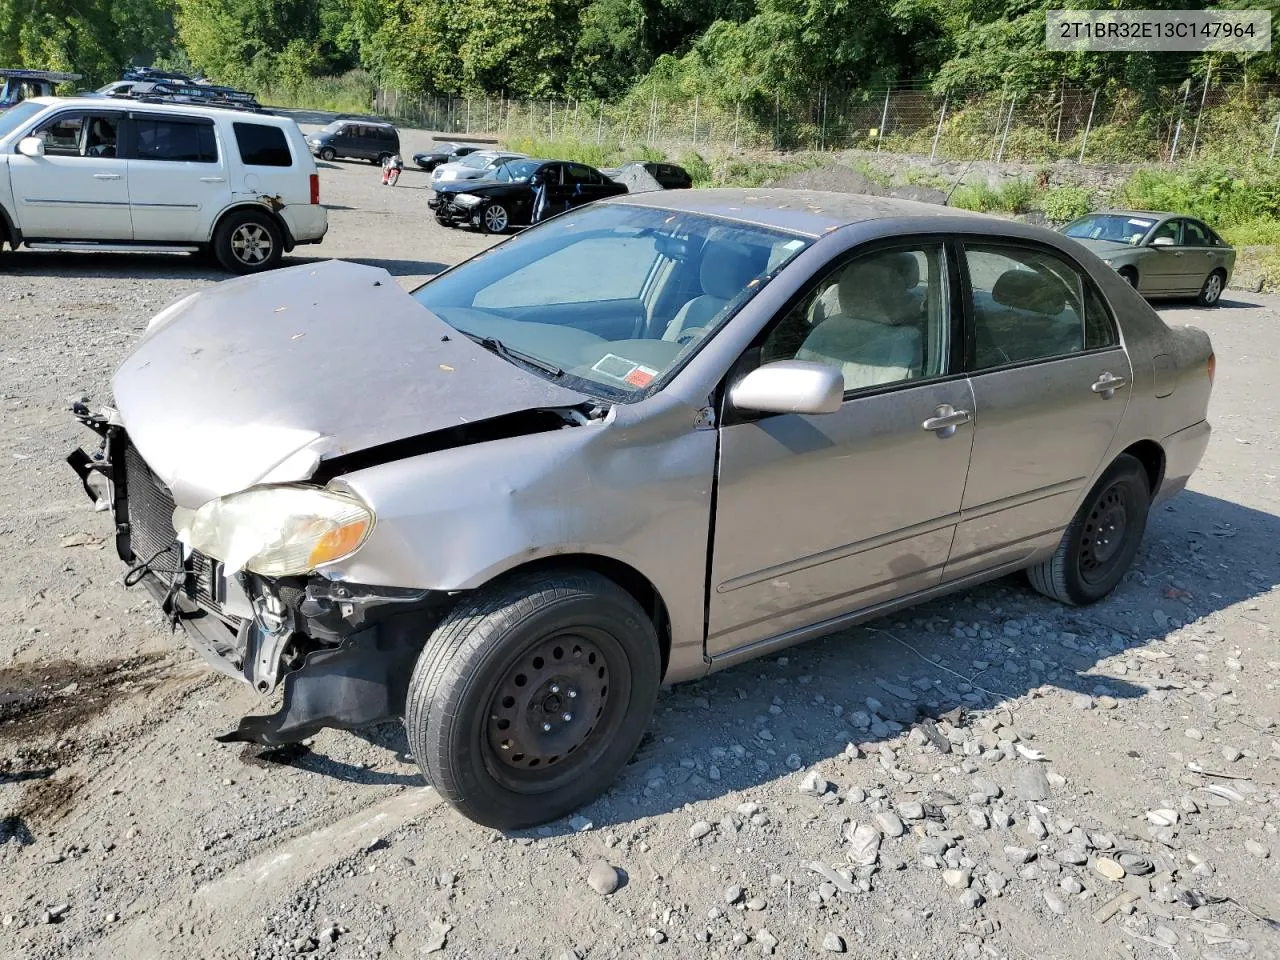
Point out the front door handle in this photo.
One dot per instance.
(213, 179)
(106, 176)
(1107, 384)
(945, 420)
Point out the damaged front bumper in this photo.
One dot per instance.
(344, 652)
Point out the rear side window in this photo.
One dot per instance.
(1026, 306)
(176, 141)
(262, 146)
(1193, 235)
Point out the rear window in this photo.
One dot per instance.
(262, 146)
(176, 141)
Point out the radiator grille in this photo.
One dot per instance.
(151, 530)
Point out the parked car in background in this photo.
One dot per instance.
(669, 176)
(511, 196)
(662, 436)
(475, 166)
(18, 84)
(1159, 254)
(441, 153)
(100, 174)
(357, 139)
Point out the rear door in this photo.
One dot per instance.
(1051, 381)
(79, 189)
(582, 184)
(1200, 256)
(177, 177)
(1162, 270)
(269, 163)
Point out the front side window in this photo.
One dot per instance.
(613, 299)
(1027, 306)
(176, 141)
(1170, 231)
(262, 145)
(62, 135)
(882, 318)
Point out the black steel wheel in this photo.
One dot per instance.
(1099, 545)
(531, 695)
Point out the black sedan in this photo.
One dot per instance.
(443, 153)
(520, 193)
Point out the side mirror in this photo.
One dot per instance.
(790, 386)
(31, 147)
(1162, 242)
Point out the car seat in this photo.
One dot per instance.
(726, 269)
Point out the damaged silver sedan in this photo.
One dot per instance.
(645, 440)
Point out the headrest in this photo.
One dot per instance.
(875, 288)
(1028, 290)
(726, 269)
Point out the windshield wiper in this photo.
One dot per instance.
(516, 356)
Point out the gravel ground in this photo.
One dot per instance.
(989, 775)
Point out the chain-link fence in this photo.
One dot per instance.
(1204, 119)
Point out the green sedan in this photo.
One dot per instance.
(1160, 254)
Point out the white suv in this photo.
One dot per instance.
(84, 174)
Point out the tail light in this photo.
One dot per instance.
(315, 188)
(1213, 367)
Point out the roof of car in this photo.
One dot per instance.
(1144, 214)
(185, 108)
(811, 212)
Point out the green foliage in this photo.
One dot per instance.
(1012, 196)
(350, 92)
(1222, 196)
(1066, 203)
(1253, 233)
(593, 154)
(698, 168)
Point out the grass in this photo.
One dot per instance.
(347, 93)
(1012, 196)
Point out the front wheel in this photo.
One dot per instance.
(328, 154)
(248, 242)
(1100, 543)
(1129, 276)
(531, 696)
(1211, 292)
(495, 219)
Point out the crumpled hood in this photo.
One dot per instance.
(258, 379)
(1105, 249)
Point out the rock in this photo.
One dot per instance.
(1162, 818)
(1017, 855)
(303, 945)
(756, 904)
(1165, 935)
(864, 845)
(1036, 827)
(1256, 849)
(1193, 734)
(889, 823)
(1082, 702)
(329, 934)
(1031, 783)
(438, 937)
(766, 939)
(911, 810)
(958, 879)
(699, 830)
(1071, 885)
(657, 936)
(833, 943)
(813, 784)
(1231, 754)
(740, 939)
(978, 818)
(1054, 903)
(603, 878)
(1000, 817)
(988, 788)
(732, 894)
(580, 824)
(971, 899)
(1072, 857)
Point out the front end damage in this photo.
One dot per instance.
(344, 652)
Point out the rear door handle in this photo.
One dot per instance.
(945, 420)
(1107, 384)
(213, 179)
(106, 176)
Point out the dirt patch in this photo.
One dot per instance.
(48, 698)
(835, 177)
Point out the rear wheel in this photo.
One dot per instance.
(531, 696)
(1102, 539)
(494, 218)
(1211, 292)
(328, 154)
(248, 242)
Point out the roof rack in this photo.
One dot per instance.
(164, 96)
(151, 73)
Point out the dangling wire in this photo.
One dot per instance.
(140, 570)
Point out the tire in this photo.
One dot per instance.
(444, 222)
(1129, 276)
(328, 154)
(495, 218)
(489, 678)
(247, 241)
(1088, 566)
(1211, 293)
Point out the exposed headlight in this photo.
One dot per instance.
(467, 199)
(278, 531)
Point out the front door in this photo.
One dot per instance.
(1050, 383)
(79, 189)
(1199, 256)
(817, 516)
(177, 181)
